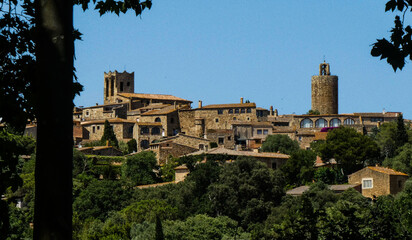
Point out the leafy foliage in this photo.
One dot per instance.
(298, 169)
(109, 135)
(399, 47)
(280, 143)
(132, 145)
(139, 168)
(350, 149)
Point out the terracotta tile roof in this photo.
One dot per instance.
(231, 105)
(149, 123)
(259, 108)
(113, 120)
(388, 171)
(162, 111)
(255, 124)
(183, 135)
(379, 114)
(242, 153)
(153, 96)
(105, 105)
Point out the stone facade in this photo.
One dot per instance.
(107, 111)
(115, 83)
(165, 149)
(325, 91)
(195, 122)
(378, 181)
(191, 141)
(122, 128)
(223, 137)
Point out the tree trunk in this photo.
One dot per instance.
(53, 89)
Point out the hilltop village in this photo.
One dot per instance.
(171, 126)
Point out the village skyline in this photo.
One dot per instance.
(264, 53)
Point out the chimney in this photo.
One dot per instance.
(271, 111)
(276, 113)
(200, 104)
(241, 100)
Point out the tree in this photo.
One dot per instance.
(385, 138)
(99, 198)
(400, 45)
(246, 191)
(402, 161)
(351, 150)
(280, 143)
(132, 145)
(298, 169)
(139, 168)
(159, 229)
(109, 135)
(313, 112)
(401, 136)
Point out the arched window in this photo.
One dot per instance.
(321, 123)
(158, 119)
(306, 123)
(144, 130)
(349, 121)
(144, 144)
(335, 122)
(155, 131)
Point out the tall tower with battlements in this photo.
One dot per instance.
(325, 91)
(116, 82)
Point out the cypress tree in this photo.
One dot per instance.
(401, 136)
(159, 229)
(108, 135)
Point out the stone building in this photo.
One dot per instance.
(115, 83)
(122, 128)
(251, 135)
(378, 181)
(166, 149)
(197, 121)
(325, 91)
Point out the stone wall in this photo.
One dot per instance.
(164, 150)
(222, 137)
(115, 82)
(325, 94)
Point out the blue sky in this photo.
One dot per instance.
(264, 51)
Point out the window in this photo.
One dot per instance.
(376, 119)
(217, 120)
(259, 131)
(237, 110)
(265, 132)
(230, 110)
(306, 123)
(274, 165)
(220, 111)
(128, 84)
(367, 183)
(221, 140)
(87, 113)
(121, 86)
(321, 123)
(400, 184)
(158, 119)
(242, 110)
(155, 131)
(349, 121)
(201, 146)
(248, 110)
(98, 127)
(94, 129)
(144, 130)
(335, 122)
(229, 138)
(144, 144)
(234, 118)
(172, 120)
(130, 130)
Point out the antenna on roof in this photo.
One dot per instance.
(324, 59)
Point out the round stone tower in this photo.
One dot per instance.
(325, 91)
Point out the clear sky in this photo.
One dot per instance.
(264, 51)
